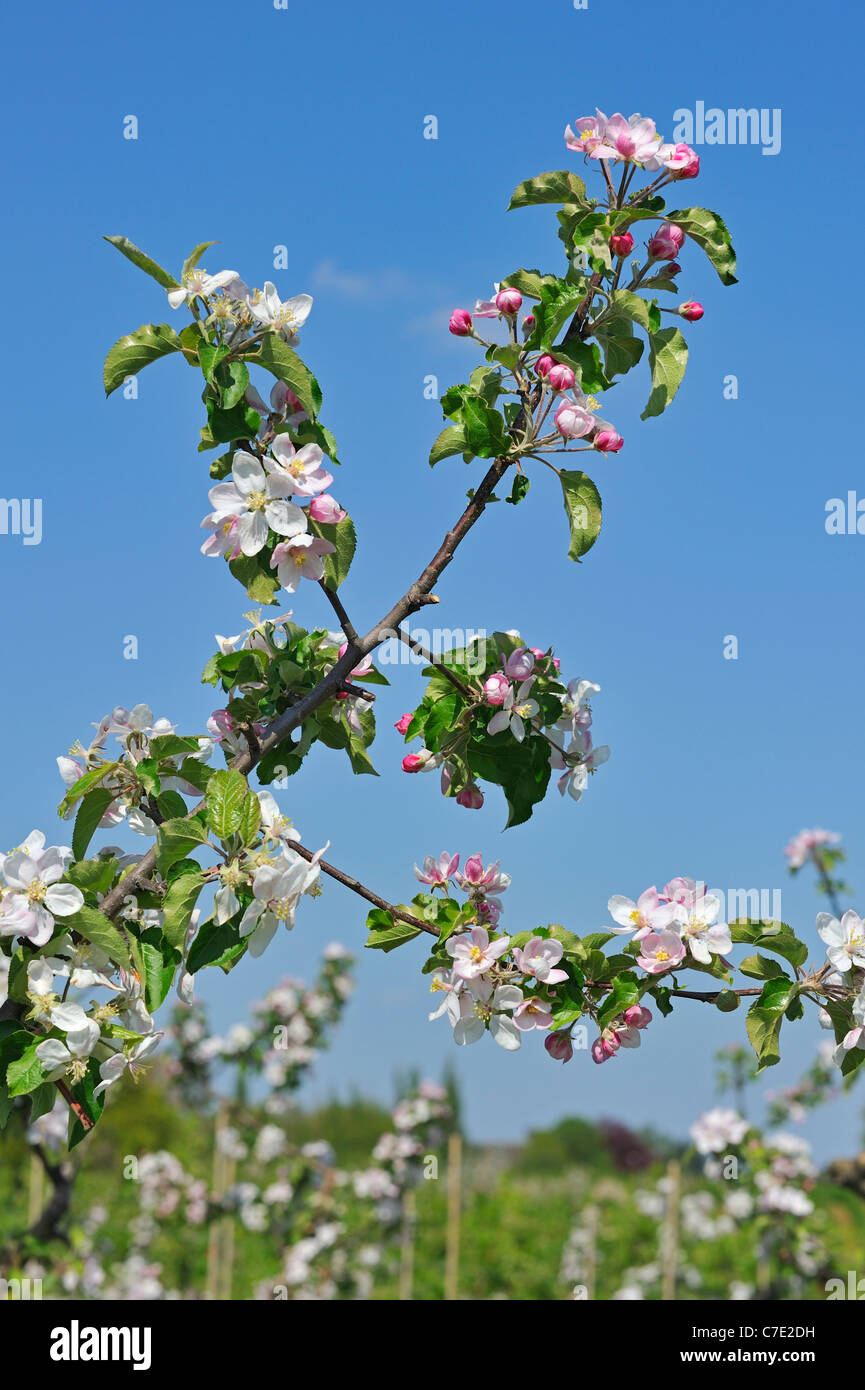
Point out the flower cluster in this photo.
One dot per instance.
(670, 925)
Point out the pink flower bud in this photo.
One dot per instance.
(520, 664)
(537, 653)
(573, 422)
(637, 1016)
(471, 797)
(603, 1050)
(622, 244)
(460, 323)
(496, 688)
(557, 663)
(691, 310)
(326, 510)
(684, 163)
(561, 377)
(667, 242)
(403, 722)
(559, 1045)
(413, 762)
(528, 323)
(509, 301)
(543, 364)
(672, 269)
(607, 442)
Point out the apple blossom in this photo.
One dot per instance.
(450, 984)
(303, 466)
(283, 402)
(130, 1059)
(718, 1130)
(544, 364)
(855, 1037)
(496, 687)
(705, 937)
(402, 724)
(667, 242)
(540, 957)
(473, 953)
(284, 317)
(621, 244)
(559, 1045)
(647, 914)
(258, 500)
(461, 323)
(471, 797)
(573, 422)
(436, 872)
(489, 1010)
(519, 665)
(607, 441)
(660, 951)
(682, 162)
(475, 878)
(37, 894)
(326, 510)
(69, 1058)
(300, 558)
(587, 134)
(691, 310)
(517, 709)
(198, 282)
(845, 940)
(509, 301)
(579, 759)
(634, 139)
(278, 889)
(561, 378)
(46, 1006)
(422, 761)
(224, 539)
(802, 845)
(532, 1013)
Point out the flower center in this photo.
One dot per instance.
(256, 501)
(476, 954)
(281, 909)
(662, 955)
(36, 891)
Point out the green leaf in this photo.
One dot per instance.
(668, 358)
(171, 746)
(101, 932)
(585, 359)
(175, 838)
(520, 486)
(624, 994)
(557, 186)
(710, 232)
(778, 993)
(583, 509)
(177, 906)
(621, 347)
(528, 282)
(42, 1100)
(136, 351)
(260, 584)
(195, 256)
(215, 945)
(25, 1073)
(452, 440)
(277, 357)
(634, 307)
(522, 770)
(90, 812)
(160, 960)
(770, 936)
(760, 968)
(90, 1103)
(250, 818)
(138, 257)
(386, 933)
(343, 535)
(226, 794)
(93, 875)
(764, 1028)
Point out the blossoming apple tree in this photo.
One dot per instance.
(122, 928)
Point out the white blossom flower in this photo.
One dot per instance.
(284, 316)
(33, 879)
(845, 940)
(198, 282)
(258, 500)
(131, 1059)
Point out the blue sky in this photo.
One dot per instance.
(261, 127)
